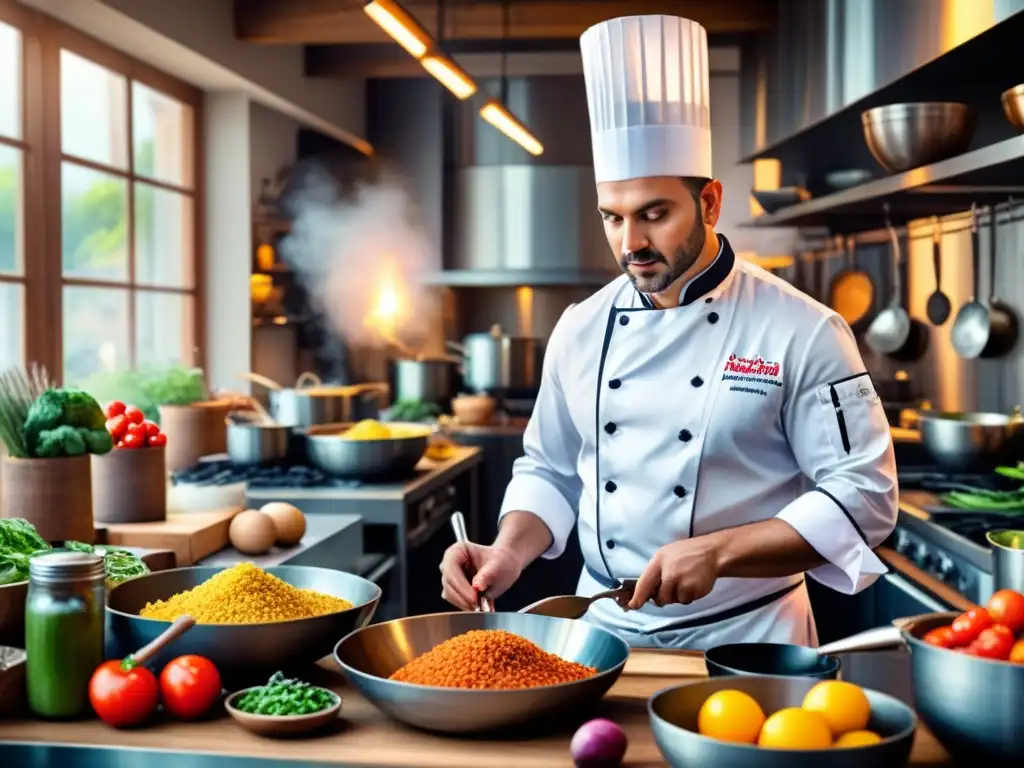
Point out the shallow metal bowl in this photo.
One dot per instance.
(673, 715)
(905, 136)
(393, 457)
(370, 655)
(1013, 106)
(773, 200)
(770, 659)
(970, 441)
(242, 652)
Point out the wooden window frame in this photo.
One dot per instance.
(43, 37)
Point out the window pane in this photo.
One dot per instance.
(95, 331)
(10, 82)
(93, 111)
(163, 328)
(163, 237)
(12, 321)
(10, 210)
(94, 216)
(162, 143)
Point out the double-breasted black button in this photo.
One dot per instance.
(615, 383)
(610, 543)
(610, 427)
(708, 300)
(685, 435)
(610, 486)
(679, 491)
(623, 320)
(696, 381)
(713, 318)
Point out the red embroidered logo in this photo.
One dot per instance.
(752, 366)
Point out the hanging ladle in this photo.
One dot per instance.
(939, 306)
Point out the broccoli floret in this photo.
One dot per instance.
(66, 422)
(60, 441)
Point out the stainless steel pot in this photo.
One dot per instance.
(1007, 559)
(971, 441)
(429, 381)
(323, 404)
(495, 363)
(258, 443)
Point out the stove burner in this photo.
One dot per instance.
(973, 525)
(222, 472)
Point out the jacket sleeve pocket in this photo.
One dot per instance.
(851, 413)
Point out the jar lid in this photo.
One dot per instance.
(66, 566)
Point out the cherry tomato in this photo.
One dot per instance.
(134, 415)
(117, 426)
(189, 685)
(996, 642)
(123, 694)
(114, 408)
(967, 626)
(1007, 608)
(134, 439)
(1017, 652)
(944, 637)
(151, 428)
(156, 441)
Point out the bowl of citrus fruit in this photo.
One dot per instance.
(768, 721)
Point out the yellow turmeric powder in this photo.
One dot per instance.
(244, 594)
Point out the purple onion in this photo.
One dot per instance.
(598, 743)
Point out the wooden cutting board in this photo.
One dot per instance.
(191, 536)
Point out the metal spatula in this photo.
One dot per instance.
(574, 606)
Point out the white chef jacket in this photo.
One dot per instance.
(654, 425)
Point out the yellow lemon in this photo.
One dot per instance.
(857, 739)
(730, 716)
(795, 728)
(844, 706)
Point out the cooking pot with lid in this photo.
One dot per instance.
(495, 363)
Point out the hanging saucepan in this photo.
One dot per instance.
(852, 293)
(893, 332)
(984, 330)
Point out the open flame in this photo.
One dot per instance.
(390, 309)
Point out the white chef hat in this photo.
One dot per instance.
(647, 90)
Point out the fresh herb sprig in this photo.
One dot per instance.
(284, 696)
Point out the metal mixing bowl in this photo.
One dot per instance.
(242, 652)
(967, 442)
(370, 655)
(1013, 106)
(905, 136)
(673, 715)
(393, 457)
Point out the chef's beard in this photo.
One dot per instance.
(686, 256)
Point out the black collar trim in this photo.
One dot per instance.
(706, 281)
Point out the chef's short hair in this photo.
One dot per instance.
(695, 184)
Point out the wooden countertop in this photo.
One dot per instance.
(366, 737)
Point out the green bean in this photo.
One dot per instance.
(283, 696)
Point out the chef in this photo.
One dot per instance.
(711, 430)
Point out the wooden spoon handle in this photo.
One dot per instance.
(180, 626)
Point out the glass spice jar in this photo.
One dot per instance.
(64, 616)
(441, 444)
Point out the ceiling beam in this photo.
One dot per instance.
(294, 22)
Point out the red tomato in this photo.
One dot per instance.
(996, 642)
(122, 694)
(117, 426)
(134, 415)
(151, 428)
(1017, 652)
(134, 439)
(944, 637)
(158, 440)
(967, 626)
(1007, 608)
(190, 686)
(114, 408)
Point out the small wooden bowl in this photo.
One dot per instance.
(281, 725)
(474, 410)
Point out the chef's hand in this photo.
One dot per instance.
(680, 572)
(496, 570)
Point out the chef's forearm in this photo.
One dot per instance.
(768, 549)
(525, 535)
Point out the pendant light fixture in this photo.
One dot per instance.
(496, 113)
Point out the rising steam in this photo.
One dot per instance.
(361, 255)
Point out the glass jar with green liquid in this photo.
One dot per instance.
(64, 616)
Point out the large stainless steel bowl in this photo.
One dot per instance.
(392, 458)
(673, 715)
(243, 653)
(905, 136)
(970, 441)
(370, 655)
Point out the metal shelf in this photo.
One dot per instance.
(987, 175)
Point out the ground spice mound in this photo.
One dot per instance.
(244, 594)
(490, 658)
